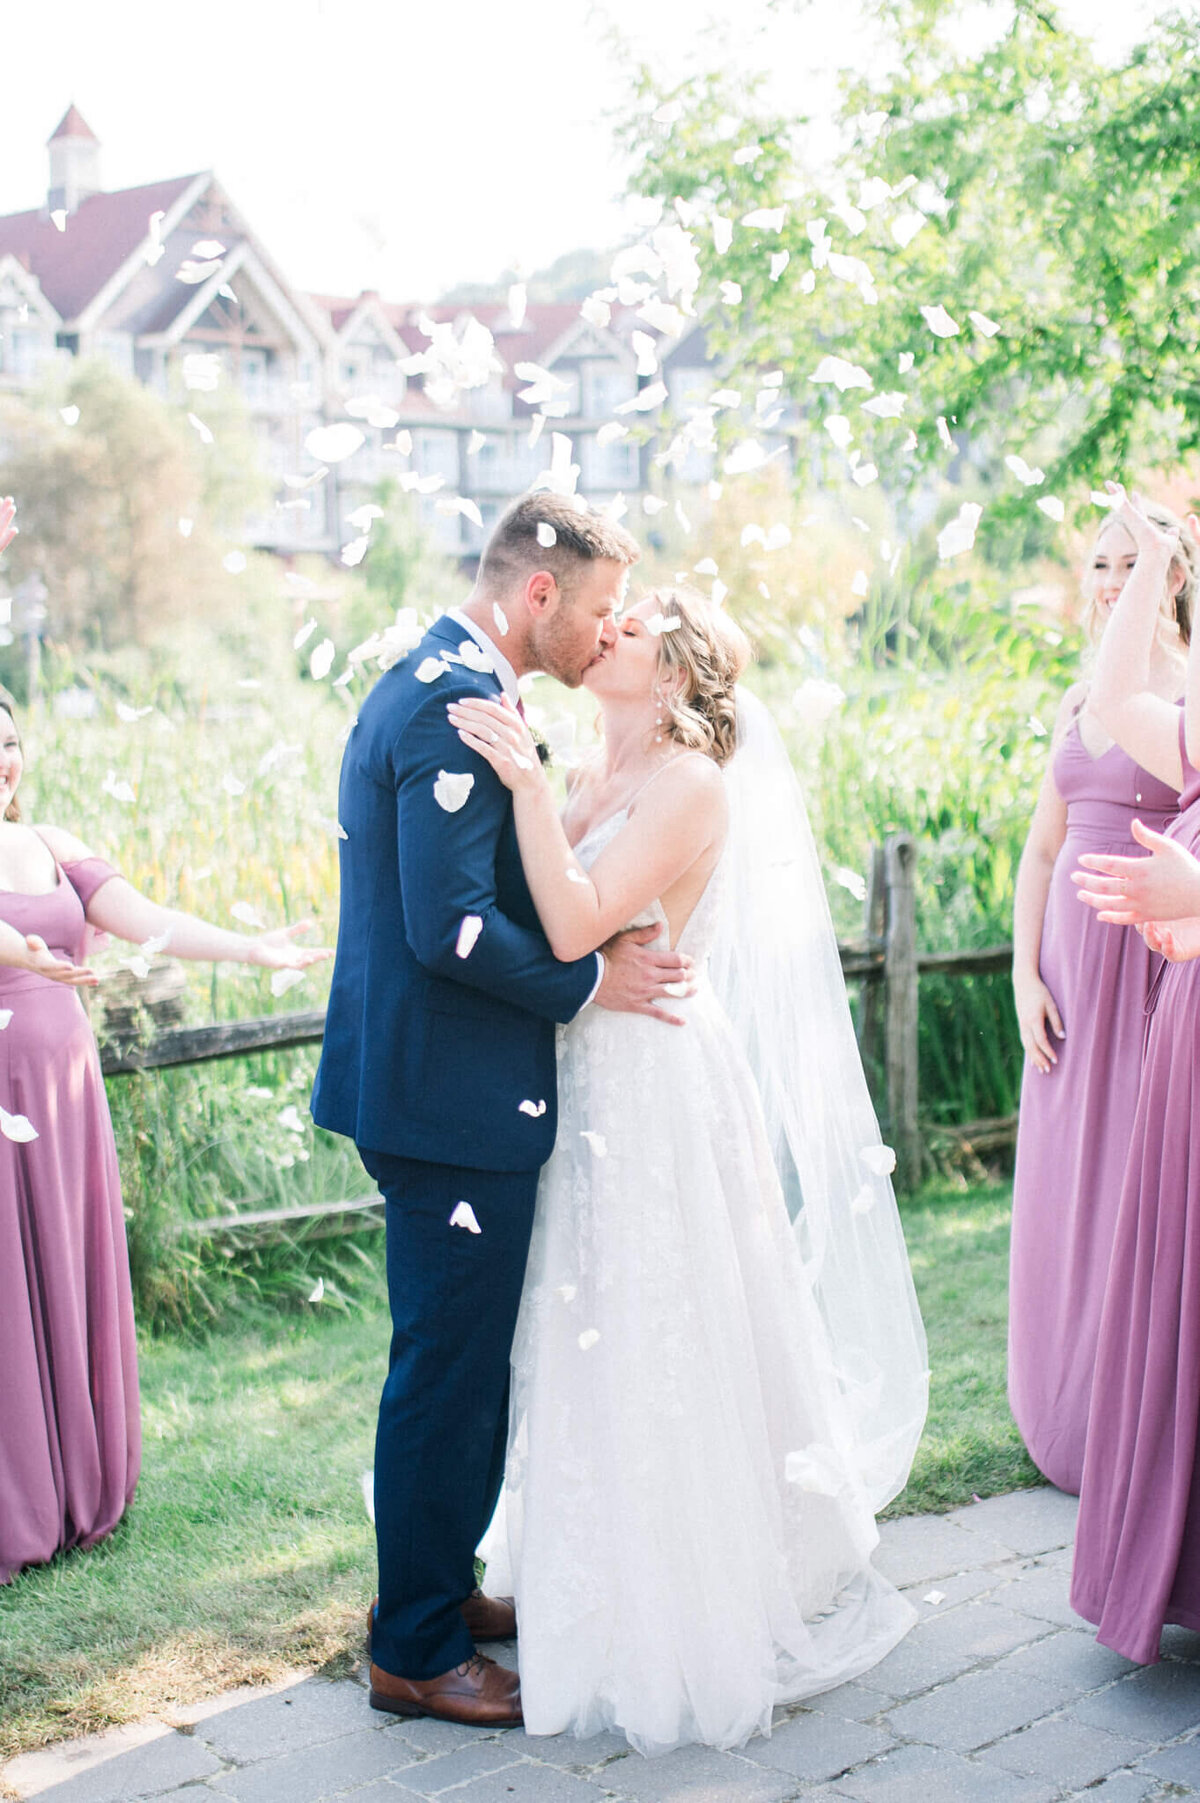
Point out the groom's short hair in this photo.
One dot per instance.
(581, 536)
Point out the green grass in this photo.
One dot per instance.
(248, 1549)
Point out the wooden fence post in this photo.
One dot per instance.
(900, 1008)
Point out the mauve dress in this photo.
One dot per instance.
(1137, 1544)
(1075, 1122)
(70, 1441)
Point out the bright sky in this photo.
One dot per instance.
(404, 145)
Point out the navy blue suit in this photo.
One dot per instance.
(427, 1056)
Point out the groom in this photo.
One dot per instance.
(439, 1062)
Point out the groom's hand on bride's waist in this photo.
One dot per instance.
(639, 975)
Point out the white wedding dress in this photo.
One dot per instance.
(685, 1525)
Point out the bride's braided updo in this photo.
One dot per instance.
(699, 662)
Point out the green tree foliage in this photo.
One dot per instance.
(104, 472)
(1024, 182)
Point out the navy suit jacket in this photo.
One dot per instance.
(427, 1054)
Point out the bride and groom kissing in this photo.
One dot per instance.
(652, 1317)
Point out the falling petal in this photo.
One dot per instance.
(120, 791)
(333, 444)
(232, 786)
(731, 293)
(906, 226)
(906, 361)
(202, 430)
(745, 456)
(535, 1110)
(283, 980)
(865, 474)
(842, 374)
(817, 1469)
(959, 535)
(368, 1495)
(879, 1160)
(69, 415)
(363, 516)
(321, 661)
(934, 1597)
(464, 1216)
(468, 933)
(59, 219)
(851, 881)
(546, 535)
(596, 1142)
(943, 432)
(766, 219)
(1052, 507)
(234, 562)
(839, 429)
(861, 584)
(646, 399)
(567, 1291)
(185, 528)
(939, 322)
(451, 789)
(243, 912)
(588, 1338)
(518, 300)
(611, 432)
(722, 231)
(6, 1015)
(429, 669)
(304, 634)
(779, 262)
(472, 654)
(17, 1128)
(500, 617)
(886, 406)
(983, 324)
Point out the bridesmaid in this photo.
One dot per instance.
(69, 1435)
(1137, 1548)
(1072, 976)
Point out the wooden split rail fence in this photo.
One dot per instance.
(886, 962)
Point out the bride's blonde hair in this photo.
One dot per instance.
(699, 663)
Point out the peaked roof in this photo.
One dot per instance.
(73, 265)
(72, 125)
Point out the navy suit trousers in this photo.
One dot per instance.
(443, 1416)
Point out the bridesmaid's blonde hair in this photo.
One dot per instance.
(1175, 611)
(705, 653)
(13, 810)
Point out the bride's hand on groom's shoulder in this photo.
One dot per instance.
(638, 975)
(498, 733)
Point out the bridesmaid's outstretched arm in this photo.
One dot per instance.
(28, 951)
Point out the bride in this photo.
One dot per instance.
(719, 1367)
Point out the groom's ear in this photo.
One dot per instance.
(541, 592)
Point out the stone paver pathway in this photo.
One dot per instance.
(999, 1695)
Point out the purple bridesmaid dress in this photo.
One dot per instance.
(70, 1441)
(1075, 1122)
(1137, 1545)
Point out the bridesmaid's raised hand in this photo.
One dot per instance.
(1128, 891)
(1177, 940)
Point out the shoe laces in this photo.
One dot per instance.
(475, 1666)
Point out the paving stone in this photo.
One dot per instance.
(146, 1771)
(918, 1548)
(425, 1735)
(695, 1775)
(1063, 1749)
(955, 1590)
(818, 1746)
(945, 1646)
(1181, 1643)
(1155, 1704)
(524, 1783)
(464, 1763)
(303, 1716)
(974, 1710)
(1043, 1593)
(1122, 1787)
(1177, 1765)
(1069, 1660)
(314, 1772)
(566, 1750)
(853, 1702)
(930, 1775)
(1028, 1521)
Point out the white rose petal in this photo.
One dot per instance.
(452, 788)
(546, 535)
(906, 226)
(304, 634)
(120, 791)
(766, 219)
(464, 1216)
(866, 473)
(839, 429)
(289, 1117)
(879, 1160)
(245, 913)
(841, 373)
(1052, 506)
(317, 1293)
(864, 1201)
(429, 669)
(939, 322)
(850, 880)
(779, 262)
(199, 426)
(886, 406)
(588, 1338)
(535, 1110)
(69, 415)
(6, 1015)
(596, 1141)
(1021, 470)
(934, 1597)
(959, 535)
(283, 980)
(468, 933)
(353, 553)
(472, 654)
(983, 324)
(722, 231)
(368, 1495)
(905, 362)
(17, 1128)
(567, 1291)
(943, 432)
(234, 562)
(501, 619)
(321, 661)
(185, 528)
(333, 444)
(817, 1469)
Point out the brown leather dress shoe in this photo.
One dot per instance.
(479, 1694)
(487, 1617)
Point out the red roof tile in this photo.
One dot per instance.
(72, 266)
(72, 125)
